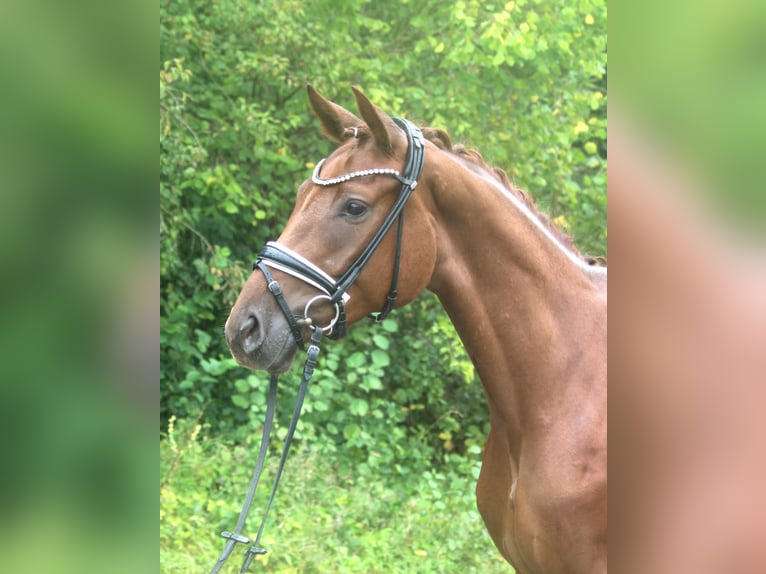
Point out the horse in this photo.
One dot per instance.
(529, 308)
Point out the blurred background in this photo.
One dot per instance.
(687, 293)
(78, 327)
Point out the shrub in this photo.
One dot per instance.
(523, 81)
(325, 518)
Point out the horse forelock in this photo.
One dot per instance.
(441, 139)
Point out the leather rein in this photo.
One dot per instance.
(277, 256)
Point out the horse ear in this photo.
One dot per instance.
(383, 128)
(334, 118)
(439, 137)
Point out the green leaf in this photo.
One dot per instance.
(390, 325)
(380, 358)
(203, 340)
(356, 360)
(381, 341)
(373, 383)
(240, 401)
(359, 407)
(350, 431)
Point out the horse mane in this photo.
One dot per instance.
(441, 139)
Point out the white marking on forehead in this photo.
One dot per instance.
(522, 207)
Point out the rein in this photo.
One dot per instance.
(277, 256)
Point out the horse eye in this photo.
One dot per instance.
(354, 208)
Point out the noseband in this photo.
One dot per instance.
(277, 256)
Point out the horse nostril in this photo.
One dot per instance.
(243, 335)
(249, 332)
(248, 325)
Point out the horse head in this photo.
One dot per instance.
(340, 256)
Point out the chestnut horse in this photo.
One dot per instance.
(529, 308)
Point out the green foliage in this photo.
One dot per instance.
(324, 519)
(395, 419)
(524, 82)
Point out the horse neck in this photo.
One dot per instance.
(520, 302)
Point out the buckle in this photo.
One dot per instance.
(235, 537)
(256, 550)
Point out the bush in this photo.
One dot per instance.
(524, 82)
(324, 519)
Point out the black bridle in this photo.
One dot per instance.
(277, 256)
(335, 291)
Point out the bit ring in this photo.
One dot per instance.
(327, 328)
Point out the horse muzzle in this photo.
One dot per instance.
(260, 339)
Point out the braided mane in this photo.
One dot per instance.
(442, 140)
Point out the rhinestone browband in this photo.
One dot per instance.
(342, 178)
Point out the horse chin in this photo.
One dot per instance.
(284, 360)
(275, 355)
